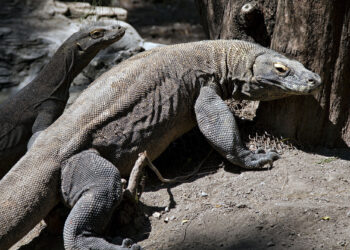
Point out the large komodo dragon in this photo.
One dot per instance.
(142, 104)
(37, 106)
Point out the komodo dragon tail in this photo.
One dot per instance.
(27, 193)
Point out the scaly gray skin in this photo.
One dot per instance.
(38, 105)
(144, 103)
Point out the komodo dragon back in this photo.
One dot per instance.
(144, 103)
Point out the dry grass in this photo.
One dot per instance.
(255, 137)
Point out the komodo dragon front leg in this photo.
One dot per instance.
(218, 125)
(45, 118)
(91, 186)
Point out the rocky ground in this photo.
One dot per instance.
(303, 202)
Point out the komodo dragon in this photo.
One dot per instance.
(38, 105)
(142, 104)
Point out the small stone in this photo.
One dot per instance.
(172, 217)
(348, 214)
(342, 243)
(184, 221)
(270, 244)
(204, 194)
(166, 209)
(166, 220)
(156, 215)
(241, 205)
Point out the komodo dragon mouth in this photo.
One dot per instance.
(309, 87)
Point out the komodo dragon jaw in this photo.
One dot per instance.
(276, 76)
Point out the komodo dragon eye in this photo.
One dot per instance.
(281, 68)
(97, 33)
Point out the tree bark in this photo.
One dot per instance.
(315, 32)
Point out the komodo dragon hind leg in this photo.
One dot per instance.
(91, 185)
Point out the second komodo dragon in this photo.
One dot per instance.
(142, 104)
(38, 104)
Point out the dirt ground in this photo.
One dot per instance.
(303, 202)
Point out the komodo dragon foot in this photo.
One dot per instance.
(258, 159)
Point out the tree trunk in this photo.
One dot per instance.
(317, 33)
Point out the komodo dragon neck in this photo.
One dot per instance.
(57, 76)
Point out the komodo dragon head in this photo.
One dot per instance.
(85, 44)
(275, 76)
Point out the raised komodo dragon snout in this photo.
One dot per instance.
(38, 104)
(142, 104)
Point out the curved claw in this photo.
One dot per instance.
(273, 154)
(270, 165)
(127, 243)
(260, 151)
(136, 247)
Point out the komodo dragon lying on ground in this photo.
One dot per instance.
(38, 105)
(142, 104)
